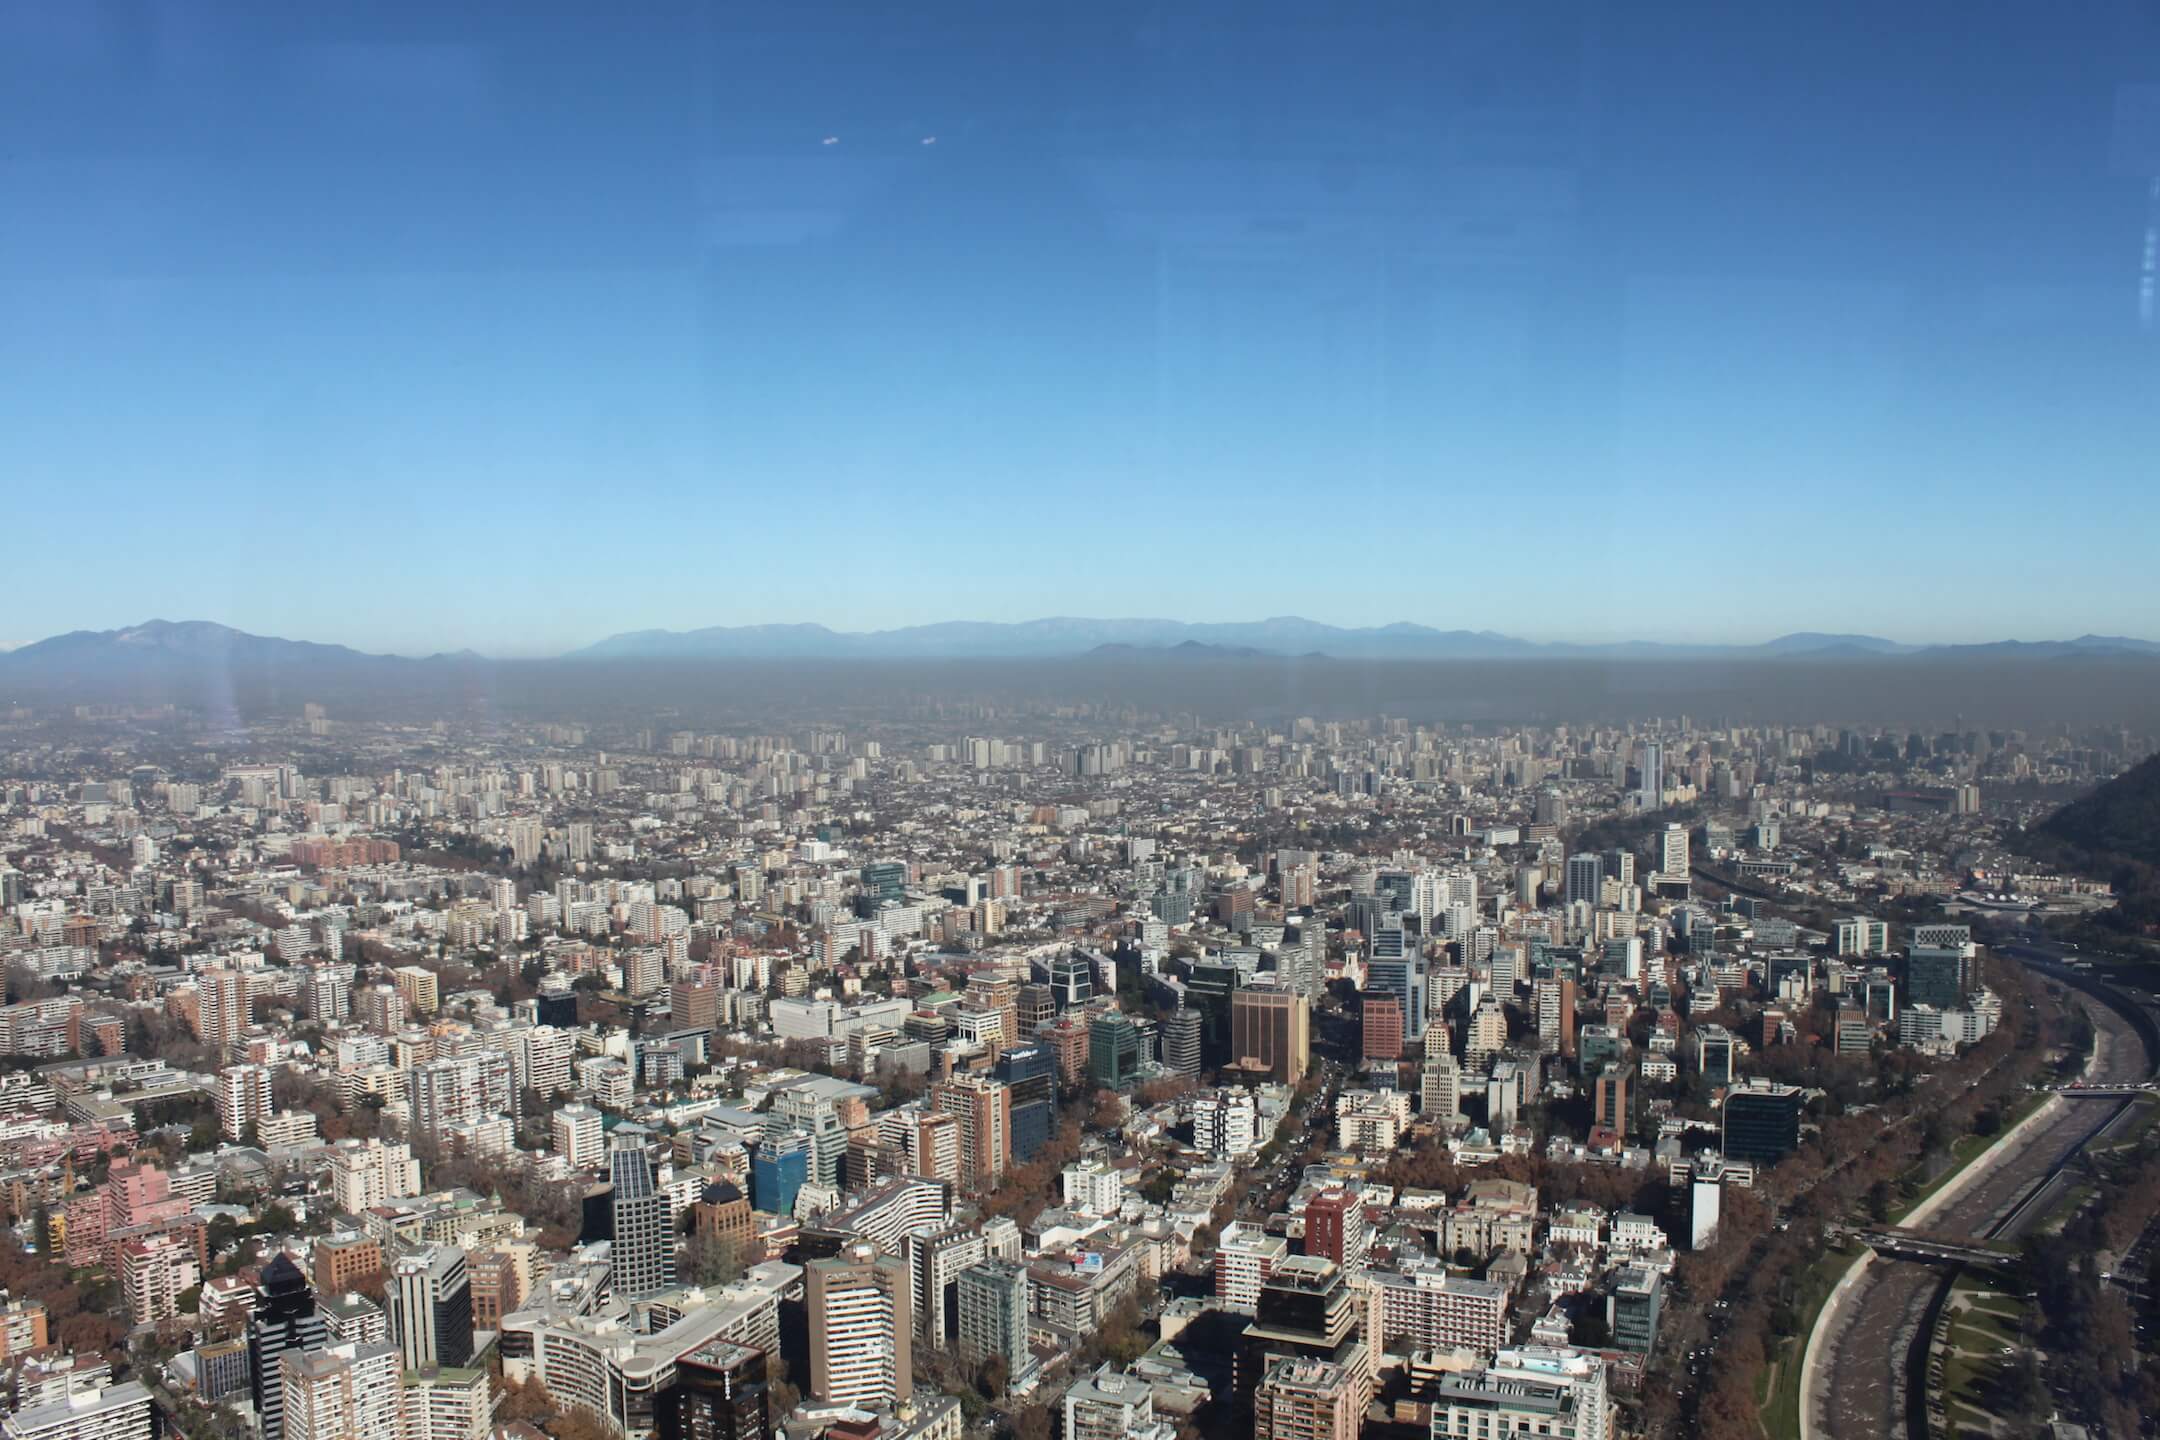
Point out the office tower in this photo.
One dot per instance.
(1440, 1094)
(1271, 1033)
(1761, 1122)
(1030, 1075)
(346, 1392)
(1936, 975)
(1072, 981)
(860, 1307)
(1113, 1052)
(982, 1108)
(1381, 1027)
(885, 879)
(1181, 1042)
(1034, 1007)
(1306, 1309)
(1715, 1048)
(1403, 977)
(285, 1322)
(431, 1304)
(993, 1303)
(1632, 1308)
(642, 1254)
(719, 1393)
(1652, 767)
(1305, 1399)
(1585, 879)
(778, 1170)
(1609, 1102)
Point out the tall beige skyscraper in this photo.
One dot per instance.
(861, 1324)
(1273, 1030)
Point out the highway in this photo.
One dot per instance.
(1856, 1382)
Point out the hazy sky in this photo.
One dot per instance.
(416, 326)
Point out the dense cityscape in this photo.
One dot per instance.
(1046, 1070)
(1129, 720)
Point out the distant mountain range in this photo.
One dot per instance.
(1287, 635)
(176, 651)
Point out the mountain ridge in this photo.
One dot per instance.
(166, 647)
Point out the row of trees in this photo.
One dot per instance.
(1758, 1268)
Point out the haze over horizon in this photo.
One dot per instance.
(417, 329)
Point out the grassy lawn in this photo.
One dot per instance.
(1781, 1413)
(1963, 1151)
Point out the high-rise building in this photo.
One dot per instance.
(243, 1099)
(1936, 975)
(1651, 766)
(1245, 1256)
(455, 1404)
(983, 1109)
(779, 1170)
(343, 1392)
(1380, 1021)
(1404, 977)
(1271, 1032)
(1181, 1042)
(720, 1393)
(1306, 1309)
(1440, 1093)
(1609, 1101)
(1072, 981)
(1301, 1398)
(1226, 1123)
(1113, 1052)
(1761, 1122)
(1335, 1228)
(860, 1305)
(935, 1259)
(577, 1135)
(431, 1305)
(1030, 1074)
(1110, 1405)
(993, 1303)
(642, 1252)
(108, 1412)
(1555, 997)
(1585, 879)
(285, 1322)
(1673, 853)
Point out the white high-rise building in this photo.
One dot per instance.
(110, 1412)
(1673, 853)
(1226, 1123)
(243, 1098)
(577, 1135)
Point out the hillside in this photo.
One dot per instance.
(2120, 820)
(2113, 832)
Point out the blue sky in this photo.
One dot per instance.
(512, 326)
